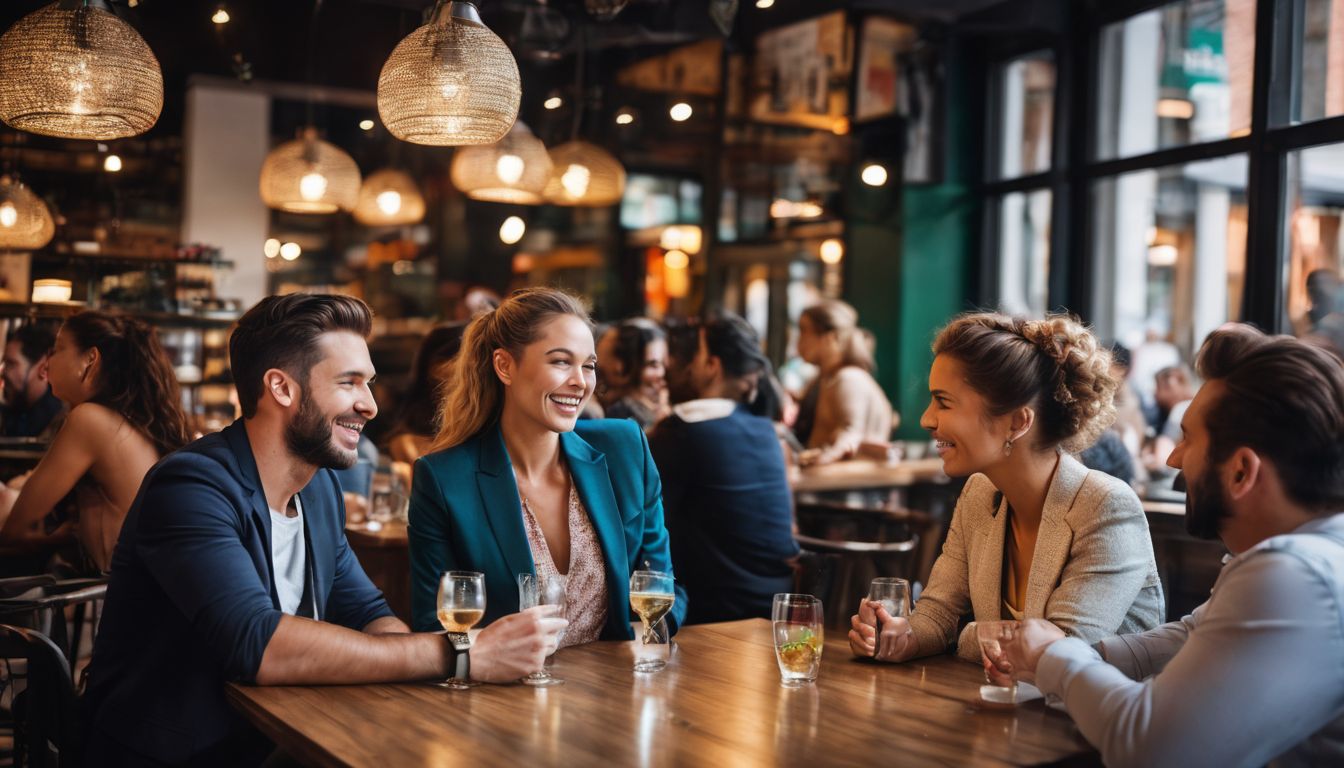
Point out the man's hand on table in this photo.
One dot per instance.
(1022, 644)
(516, 645)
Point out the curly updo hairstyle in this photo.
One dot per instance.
(1054, 365)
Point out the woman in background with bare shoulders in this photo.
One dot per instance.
(125, 413)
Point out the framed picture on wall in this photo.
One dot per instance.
(877, 92)
(800, 74)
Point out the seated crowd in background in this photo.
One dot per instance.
(632, 383)
(125, 413)
(1034, 533)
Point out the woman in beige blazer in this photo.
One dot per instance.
(1035, 533)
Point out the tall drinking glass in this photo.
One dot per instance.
(989, 634)
(542, 589)
(651, 597)
(799, 638)
(461, 606)
(894, 595)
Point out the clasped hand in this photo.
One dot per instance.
(1021, 645)
(896, 641)
(516, 645)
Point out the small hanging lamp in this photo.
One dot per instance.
(584, 174)
(451, 82)
(25, 222)
(514, 169)
(389, 198)
(309, 175)
(74, 70)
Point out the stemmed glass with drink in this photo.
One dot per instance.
(894, 596)
(651, 597)
(461, 607)
(799, 637)
(542, 589)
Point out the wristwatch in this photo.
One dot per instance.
(461, 655)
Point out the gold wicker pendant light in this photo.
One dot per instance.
(389, 198)
(514, 169)
(451, 82)
(74, 70)
(584, 174)
(25, 222)
(309, 175)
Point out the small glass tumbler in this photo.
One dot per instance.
(799, 637)
(990, 634)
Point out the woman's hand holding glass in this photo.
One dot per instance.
(516, 645)
(896, 641)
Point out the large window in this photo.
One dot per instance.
(1315, 229)
(1026, 92)
(1024, 251)
(1319, 41)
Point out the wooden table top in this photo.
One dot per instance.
(719, 702)
(388, 535)
(866, 474)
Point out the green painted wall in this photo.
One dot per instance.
(910, 253)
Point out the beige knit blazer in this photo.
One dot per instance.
(1093, 573)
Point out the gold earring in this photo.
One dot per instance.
(1007, 447)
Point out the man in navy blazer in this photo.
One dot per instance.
(232, 564)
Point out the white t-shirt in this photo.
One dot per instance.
(289, 556)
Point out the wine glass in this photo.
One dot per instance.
(799, 633)
(542, 589)
(651, 596)
(894, 595)
(461, 606)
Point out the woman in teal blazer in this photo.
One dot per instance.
(510, 437)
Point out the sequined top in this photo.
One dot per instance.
(586, 582)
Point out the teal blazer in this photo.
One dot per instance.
(466, 516)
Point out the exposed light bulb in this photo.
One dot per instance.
(112, 163)
(312, 186)
(625, 117)
(675, 259)
(553, 102)
(512, 230)
(681, 112)
(271, 248)
(9, 215)
(874, 174)
(366, 125)
(575, 180)
(832, 250)
(388, 201)
(764, 3)
(221, 16)
(290, 251)
(509, 169)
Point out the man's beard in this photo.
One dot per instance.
(1206, 506)
(309, 438)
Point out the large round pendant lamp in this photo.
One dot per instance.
(451, 82)
(25, 222)
(309, 175)
(74, 70)
(514, 169)
(584, 174)
(389, 198)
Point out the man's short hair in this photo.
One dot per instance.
(35, 341)
(1284, 399)
(282, 332)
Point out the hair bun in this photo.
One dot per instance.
(1081, 383)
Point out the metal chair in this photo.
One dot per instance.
(42, 605)
(845, 547)
(46, 725)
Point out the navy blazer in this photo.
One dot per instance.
(466, 515)
(192, 604)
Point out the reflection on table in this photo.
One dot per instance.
(719, 702)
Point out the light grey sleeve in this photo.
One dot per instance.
(1110, 561)
(1261, 671)
(1146, 653)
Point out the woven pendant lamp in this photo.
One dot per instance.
(309, 175)
(451, 82)
(584, 174)
(514, 169)
(389, 198)
(74, 70)
(25, 222)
